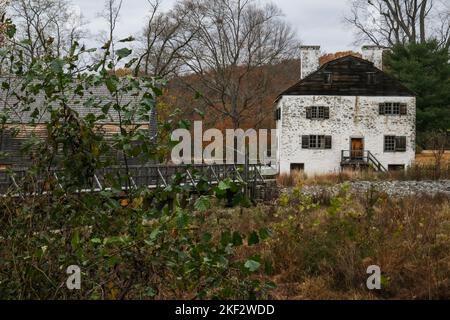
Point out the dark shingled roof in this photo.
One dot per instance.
(349, 78)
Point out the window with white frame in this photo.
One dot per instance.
(316, 142)
(393, 109)
(394, 144)
(317, 113)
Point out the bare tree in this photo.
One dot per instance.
(439, 142)
(161, 45)
(3, 22)
(232, 40)
(443, 30)
(111, 14)
(389, 22)
(162, 42)
(46, 26)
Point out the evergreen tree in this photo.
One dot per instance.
(425, 69)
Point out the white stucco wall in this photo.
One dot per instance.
(373, 54)
(349, 117)
(309, 60)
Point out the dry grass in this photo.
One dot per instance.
(297, 178)
(292, 179)
(340, 177)
(424, 169)
(323, 251)
(426, 157)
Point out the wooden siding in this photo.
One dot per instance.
(349, 78)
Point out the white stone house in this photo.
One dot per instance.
(346, 113)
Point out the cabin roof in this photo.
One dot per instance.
(18, 112)
(349, 78)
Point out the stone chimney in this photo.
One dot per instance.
(374, 54)
(309, 60)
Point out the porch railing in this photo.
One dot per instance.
(364, 157)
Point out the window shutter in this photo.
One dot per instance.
(328, 142)
(308, 113)
(305, 142)
(382, 109)
(326, 112)
(278, 114)
(400, 144)
(403, 109)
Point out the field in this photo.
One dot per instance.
(296, 247)
(174, 244)
(426, 157)
(321, 247)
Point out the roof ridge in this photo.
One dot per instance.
(357, 88)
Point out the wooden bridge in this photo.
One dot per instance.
(18, 181)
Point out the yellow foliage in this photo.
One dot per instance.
(137, 202)
(124, 202)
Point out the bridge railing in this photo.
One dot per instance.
(20, 181)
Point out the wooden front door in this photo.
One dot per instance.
(357, 151)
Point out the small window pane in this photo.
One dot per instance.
(321, 142)
(321, 113)
(313, 143)
(316, 142)
(318, 112)
(396, 109)
(392, 108)
(389, 143)
(388, 108)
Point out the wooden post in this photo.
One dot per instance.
(246, 173)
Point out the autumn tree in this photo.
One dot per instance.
(231, 40)
(333, 56)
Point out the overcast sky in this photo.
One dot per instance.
(318, 22)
